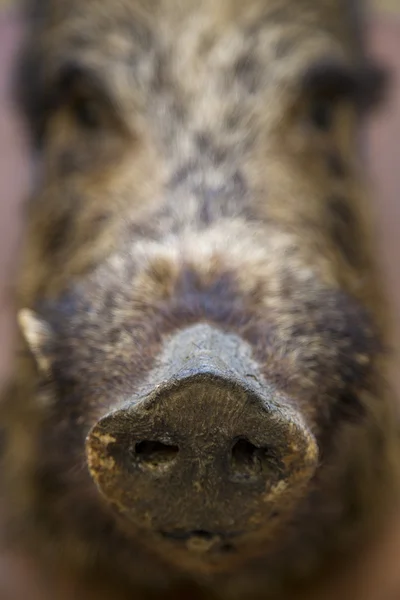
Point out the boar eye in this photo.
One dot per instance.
(328, 83)
(84, 95)
(322, 113)
(87, 112)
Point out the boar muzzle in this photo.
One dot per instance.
(206, 452)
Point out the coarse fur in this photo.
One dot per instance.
(198, 161)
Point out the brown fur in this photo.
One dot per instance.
(216, 178)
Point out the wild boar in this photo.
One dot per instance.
(199, 404)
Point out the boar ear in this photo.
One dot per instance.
(37, 335)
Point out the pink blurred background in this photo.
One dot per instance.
(380, 577)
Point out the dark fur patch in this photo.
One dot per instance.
(247, 72)
(183, 174)
(233, 118)
(284, 47)
(209, 149)
(56, 237)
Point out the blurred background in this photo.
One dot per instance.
(382, 580)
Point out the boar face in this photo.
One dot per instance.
(208, 329)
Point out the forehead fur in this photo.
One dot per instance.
(340, 18)
(50, 8)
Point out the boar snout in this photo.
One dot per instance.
(206, 449)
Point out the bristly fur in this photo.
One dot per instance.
(198, 163)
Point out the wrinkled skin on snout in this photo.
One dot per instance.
(199, 394)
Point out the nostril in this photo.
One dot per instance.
(245, 461)
(244, 450)
(249, 462)
(154, 454)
